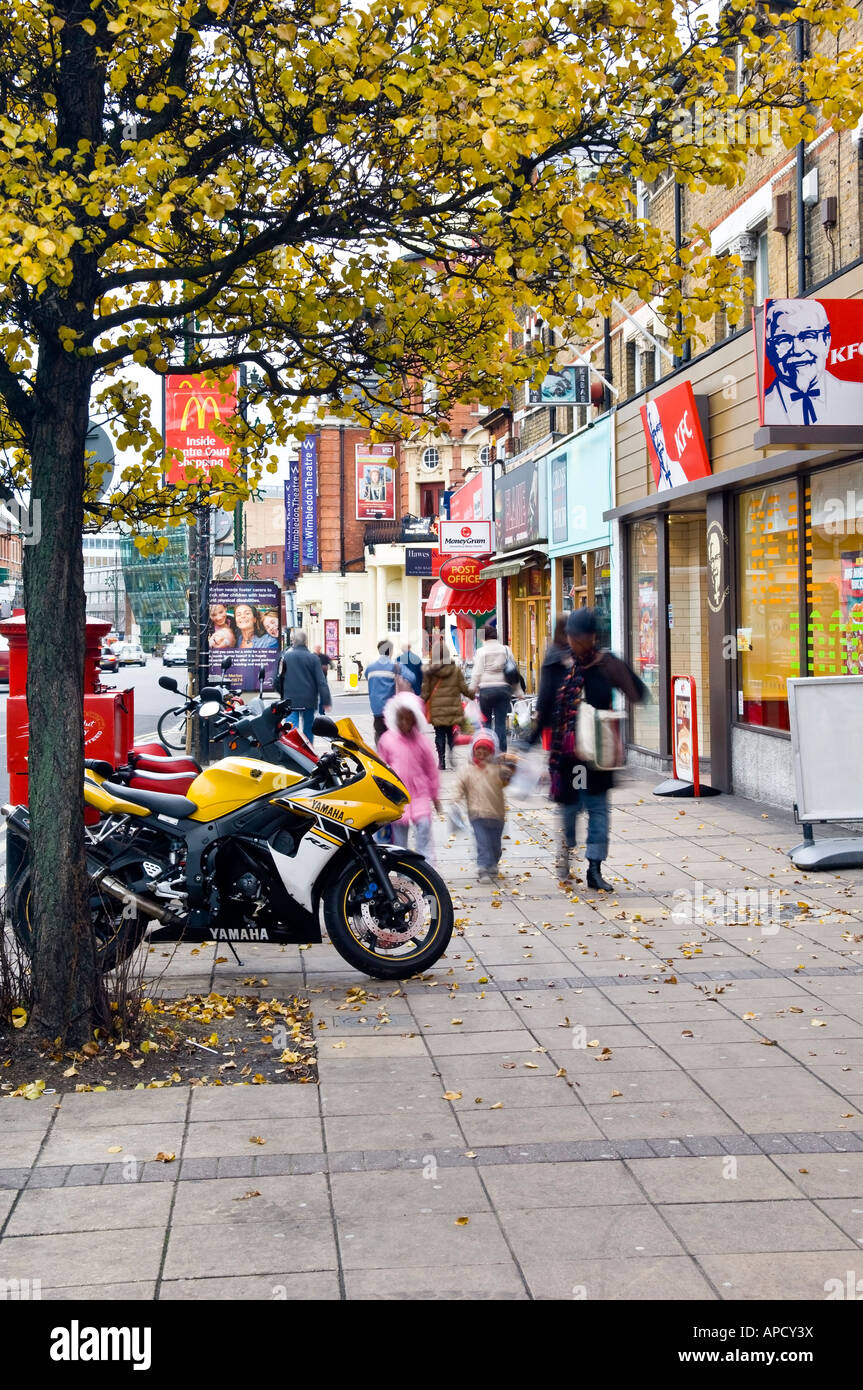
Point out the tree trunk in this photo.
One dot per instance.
(67, 989)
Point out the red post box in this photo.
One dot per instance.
(109, 715)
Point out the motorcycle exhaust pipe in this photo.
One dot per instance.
(147, 906)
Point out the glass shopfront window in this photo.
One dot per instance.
(768, 639)
(687, 604)
(834, 572)
(585, 582)
(644, 630)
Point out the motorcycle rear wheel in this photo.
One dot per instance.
(356, 925)
(117, 936)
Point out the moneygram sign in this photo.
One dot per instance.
(465, 538)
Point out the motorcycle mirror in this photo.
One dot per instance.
(209, 708)
(227, 663)
(327, 728)
(211, 692)
(168, 683)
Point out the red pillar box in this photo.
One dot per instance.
(109, 716)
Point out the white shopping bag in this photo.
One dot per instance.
(528, 775)
(456, 819)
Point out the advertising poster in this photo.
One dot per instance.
(559, 518)
(309, 499)
(851, 611)
(292, 522)
(685, 732)
(812, 367)
(331, 637)
(375, 482)
(566, 386)
(646, 625)
(192, 407)
(675, 442)
(245, 624)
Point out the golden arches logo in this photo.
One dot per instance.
(201, 405)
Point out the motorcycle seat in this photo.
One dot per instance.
(162, 803)
(99, 766)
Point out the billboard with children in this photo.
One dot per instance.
(245, 624)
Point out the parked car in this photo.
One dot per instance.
(177, 652)
(4, 661)
(108, 660)
(130, 654)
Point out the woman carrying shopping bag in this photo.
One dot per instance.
(575, 785)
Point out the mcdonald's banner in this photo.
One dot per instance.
(192, 407)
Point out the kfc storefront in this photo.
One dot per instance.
(742, 564)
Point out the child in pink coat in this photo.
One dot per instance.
(409, 752)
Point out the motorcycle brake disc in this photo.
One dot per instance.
(385, 937)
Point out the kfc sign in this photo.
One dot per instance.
(675, 443)
(465, 538)
(811, 362)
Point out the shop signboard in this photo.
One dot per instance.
(465, 538)
(565, 386)
(331, 636)
(675, 441)
(463, 572)
(472, 501)
(559, 516)
(422, 562)
(375, 477)
(685, 730)
(519, 505)
(245, 624)
(809, 354)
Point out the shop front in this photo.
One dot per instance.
(743, 576)
(473, 502)
(522, 565)
(579, 492)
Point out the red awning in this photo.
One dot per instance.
(442, 599)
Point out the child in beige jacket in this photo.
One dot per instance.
(480, 786)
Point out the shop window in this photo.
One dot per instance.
(644, 630)
(768, 639)
(687, 604)
(834, 572)
(353, 619)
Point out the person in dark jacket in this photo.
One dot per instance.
(301, 682)
(411, 667)
(556, 666)
(442, 688)
(593, 676)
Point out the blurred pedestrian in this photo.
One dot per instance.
(488, 681)
(480, 785)
(381, 678)
(411, 667)
(300, 681)
(556, 666)
(405, 748)
(442, 689)
(576, 786)
(326, 663)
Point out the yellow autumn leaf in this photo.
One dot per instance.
(256, 1139)
(19, 1018)
(462, 1220)
(452, 1095)
(162, 1157)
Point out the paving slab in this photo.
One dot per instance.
(538, 1185)
(223, 1138)
(292, 1288)
(720, 1178)
(480, 1282)
(624, 1232)
(429, 1188)
(675, 1278)
(278, 1247)
(93, 1143)
(141, 1292)
(803, 1275)
(753, 1227)
(48, 1211)
(109, 1257)
(254, 1102)
(391, 1243)
(408, 1130)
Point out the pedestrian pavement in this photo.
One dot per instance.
(649, 1094)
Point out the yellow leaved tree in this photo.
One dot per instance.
(348, 198)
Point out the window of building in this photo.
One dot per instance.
(430, 458)
(834, 572)
(768, 638)
(394, 617)
(353, 619)
(484, 456)
(644, 629)
(430, 499)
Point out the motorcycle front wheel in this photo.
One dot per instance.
(171, 729)
(385, 945)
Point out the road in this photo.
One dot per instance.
(151, 700)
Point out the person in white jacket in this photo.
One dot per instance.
(490, 685)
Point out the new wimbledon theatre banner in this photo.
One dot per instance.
(809, 354)
(192, 406)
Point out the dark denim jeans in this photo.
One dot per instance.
(494, 705)
(488, 842)
(596, 806)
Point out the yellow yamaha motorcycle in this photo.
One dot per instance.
(252, 853)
